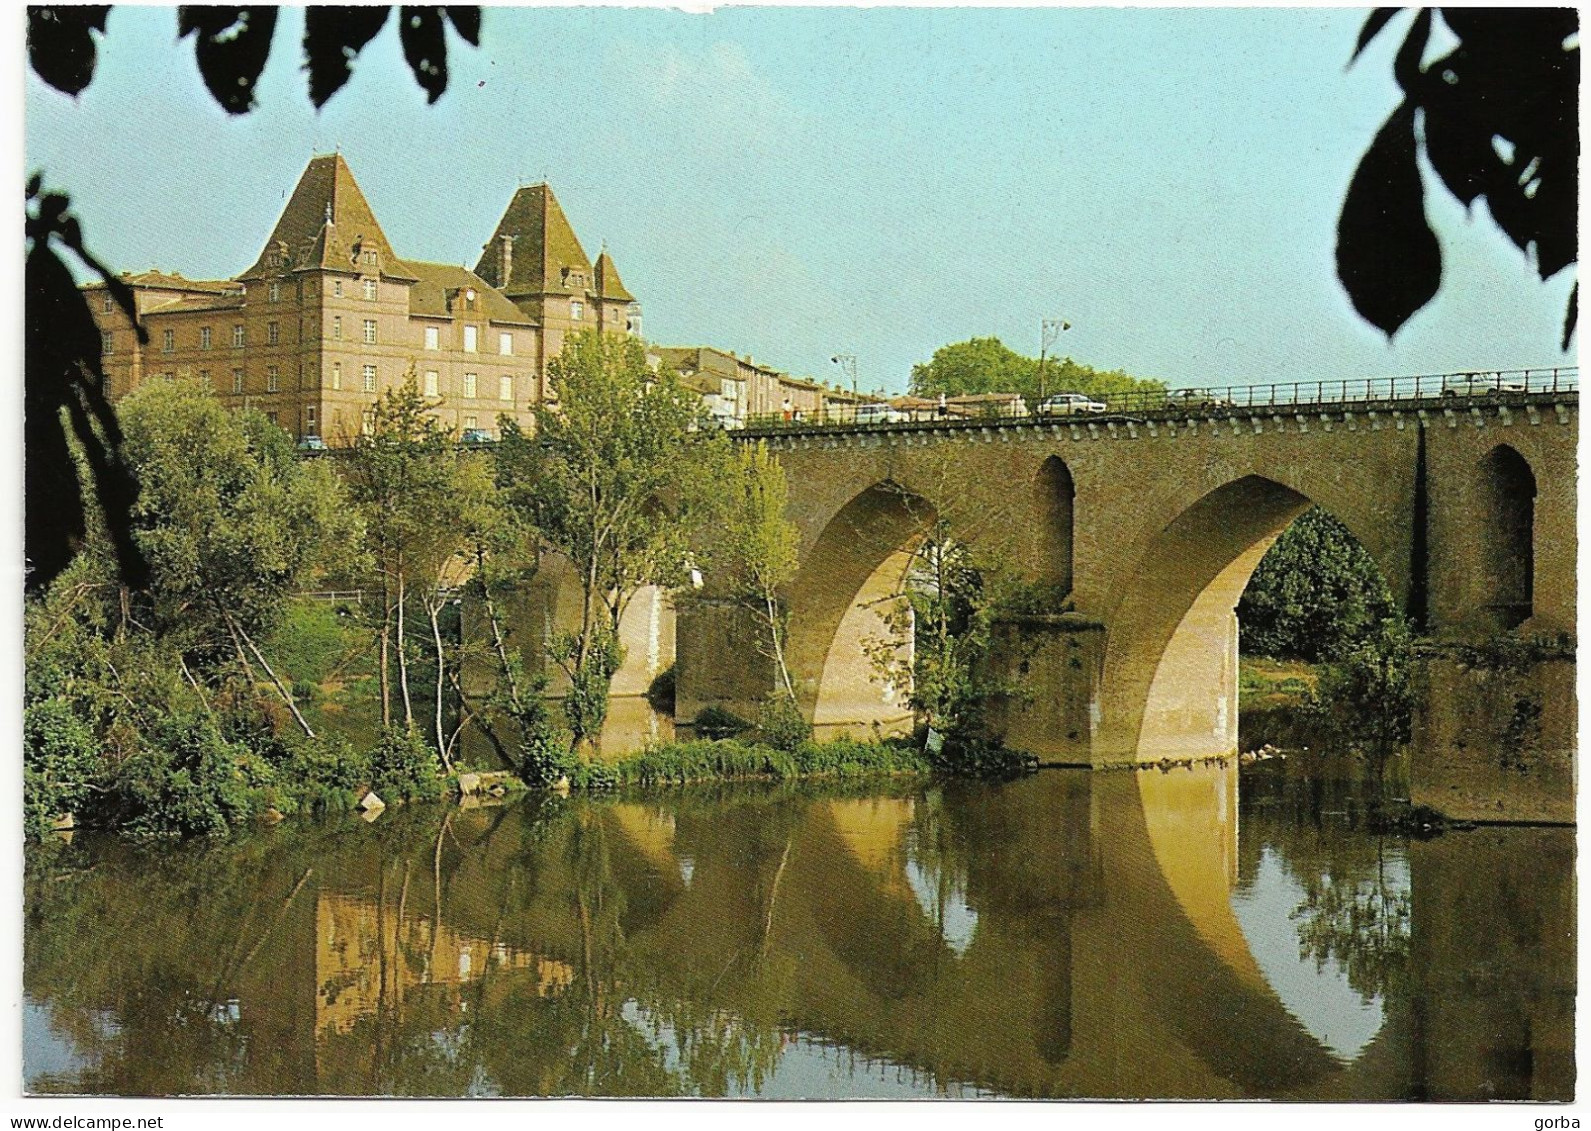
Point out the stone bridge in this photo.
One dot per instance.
(1143, 530)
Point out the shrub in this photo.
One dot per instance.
(404, 768)
(780, 723)
(60, 761)
(188, 780)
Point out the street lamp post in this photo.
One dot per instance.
(847, 364)
(1049, 330)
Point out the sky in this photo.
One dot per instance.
(797, 183)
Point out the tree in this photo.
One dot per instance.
(63, 375)
(987, 365)
(1316, 594)
(1497, 118)
(229, 520)
(399, 477)
(752, 553)
(613, 455)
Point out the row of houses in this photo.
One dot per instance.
(329, 317)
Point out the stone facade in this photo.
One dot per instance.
(329, 316)
(737, 389)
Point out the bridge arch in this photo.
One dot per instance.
(1055, 501)
(1508, 487)
(848, 579)
(1169, 679)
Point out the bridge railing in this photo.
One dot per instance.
(1478, 386)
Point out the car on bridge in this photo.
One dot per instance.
(476, 436)
(1190, 399)
(1480, 385)
(878, 413)
(1068, 404)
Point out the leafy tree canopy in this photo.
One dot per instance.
(988, 365)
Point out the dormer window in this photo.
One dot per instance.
(370, 259)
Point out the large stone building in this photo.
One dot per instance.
(329, 316)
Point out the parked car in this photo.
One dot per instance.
(1195, 399)
(312, 444)
(1068, 404)
(476, 436)
(1480, 385)
(878, 413)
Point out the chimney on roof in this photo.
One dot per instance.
(505, 259)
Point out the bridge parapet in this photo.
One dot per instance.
(1443, 393)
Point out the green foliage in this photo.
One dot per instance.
(189, 780)
(1316, 594)
(229, 520)
(60, 763)
(988, 365)
(618, 450)
(1366, 697)
(404, 768)
(677, 763)
(780, 723)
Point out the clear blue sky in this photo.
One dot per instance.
(796, 183)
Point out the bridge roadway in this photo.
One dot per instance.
(1136, 534)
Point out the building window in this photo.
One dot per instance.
(577, 310)
(370, 258)
(370, 289)
(370, 378)
(430, 382)
(337, 375)
(109, 303)
(367, 422)
(505, 343)
(432, 338)
(505, 388)
(273, 379)
(104, 341)
(237, 382)
(370, 331)
(471, 421)
(276, 292)
(271, 416)
(204, 376)
(309, 419)
(337, 328)
(469, 339)
(237, 336)
(168, 341)
(469, 384)
(337, 288)
(273, 333)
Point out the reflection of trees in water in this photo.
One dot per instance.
(1357, 896)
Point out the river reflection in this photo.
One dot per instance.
(1159, 934)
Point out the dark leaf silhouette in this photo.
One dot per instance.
(1499, 119)
(1372, 28)
(333, 36)
(63, 376)
(60, 47)
(1387, 255)
(467, 22)
(425, 47)
(231, 46)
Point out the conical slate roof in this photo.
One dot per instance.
(326, 223)
(608, 283)
(545, 252)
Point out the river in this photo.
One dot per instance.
(1178, 934)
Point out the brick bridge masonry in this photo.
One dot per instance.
(1145, 531)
